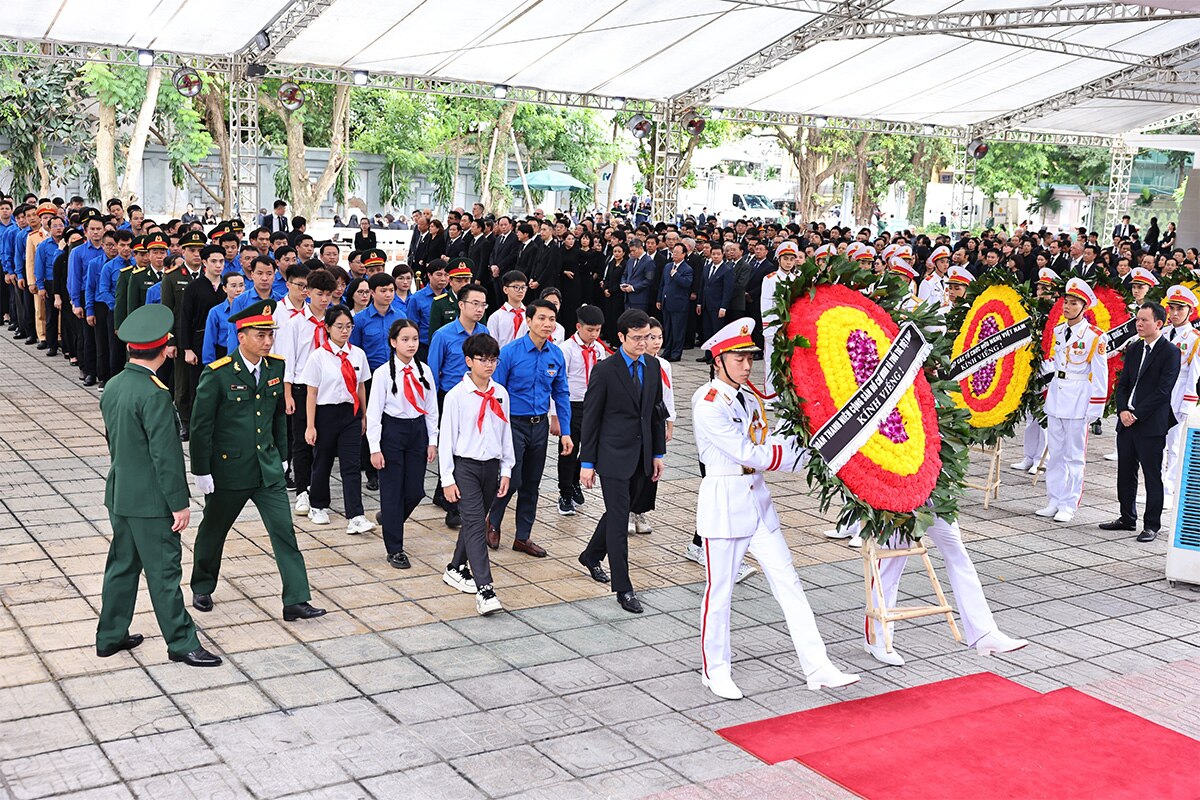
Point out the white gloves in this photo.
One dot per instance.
(205, 484)
(285, 466)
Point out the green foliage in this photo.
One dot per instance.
(347, 184)
(1011, 168)
(183, 130)
(282, 180)
(1044, 202)
(41, 106)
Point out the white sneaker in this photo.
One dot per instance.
(359, 524)
(1034, 469)
(486, 601)
(1111, 456)
(694, 552)
(877, 652)
(839, 533)
(744, 571)
(1022, 465)
(855, 542)
(459, 579)
(318, 516)
(830, 677)
(641, 525)
(724, 688)
(1048, 511)
(1064, 515)
(997, 642)
(302, 505)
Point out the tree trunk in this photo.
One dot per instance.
(864, 204)
(811, 172)
(214, 114)
(137, 139)
(43, 172)
(494, 194)
(106, 145)
(306, 195)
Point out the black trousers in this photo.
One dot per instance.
(674, 330)
(338, 432)
(568, 465)
(439, 496)
(20, 312)
(302, 452)
(52, 316)
(404, 443)
(28, 312)
(103, 334)
(529, 447)
(1146, 452)
(85, 349)
(477, 483)
(364, 454)
(611, 537)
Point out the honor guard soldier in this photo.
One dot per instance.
(445, 305)
(142, 278)
(787, 255)
(1078, 390)
(933, 287)
(146, 495)
(958, 280)
(1034, 445)
(899, 266)
(737, 513)
(239, 433)
(1181, 302)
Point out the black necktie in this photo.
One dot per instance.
(1172, 338)
(741, 398)
(1146, 348)
(635, 372)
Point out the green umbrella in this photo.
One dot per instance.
(547, 180)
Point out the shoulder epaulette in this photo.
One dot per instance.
(276, 355)
(772, 274)
(220, 362)
(439, 296)
(126, 269)
(1096, 330)
(712, 395)
(159, 383)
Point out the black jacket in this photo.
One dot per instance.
(623, 427)
(504, 253)
(1152, 400)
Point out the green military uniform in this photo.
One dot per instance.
(239, 436)
(146, 484)
(175, 283)
(444, 309)
(142, 278)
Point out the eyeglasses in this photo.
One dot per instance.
(519, 287)
(476, 303)
(298, 284)
(485, 360)
(345, 326)
(636, 339)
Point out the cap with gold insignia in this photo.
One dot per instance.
(1078, 288)
(1181, 296)
(824, 251)
(461, 268)
(939, 252)
(88, 214)
(1047, 276)
(787, 247)
(374, 257)
(192, 239)
(259, 314)
(960, 276)
(905, 252)
(147, 327)
(734, 337)
(157, 241)
(217, 232)
(47, 209)
(1143, 275)
(139, 244)
(860, 253)
(901, 267)
(236, 225)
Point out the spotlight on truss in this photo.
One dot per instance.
(145, 58)
(500, 91)
(291, 96)
(361, 77)
(694, 123)
(977, 148)
(187, 81)
(639, 126)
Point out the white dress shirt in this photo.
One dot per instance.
(294, 341)
(285, 311)
(324, 371)
(579, 373)
(461, 435)
(500, 324)
(668, 387)
(383, 400)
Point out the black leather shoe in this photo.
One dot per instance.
(197, 658)
(1097, 429)
(597, 572)
(453, 518)
(202, 602)
(372, 483)
(629, 602)
(130, 641)
(301, 611)
(1118, 525)
(52, 352)
(577, 495)
(31, 340)
(399, 561)
(1147, 536)
(89, 380)
(43, 346)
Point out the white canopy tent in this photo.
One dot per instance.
(1075, 71)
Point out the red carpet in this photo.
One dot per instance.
(1064, 745)
(794, 735)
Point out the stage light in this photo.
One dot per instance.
(360, 77)
(261, 40)
(716, 113)
(927, 130)
(694, 123)
(639, 126)
(256, 70)
(291, 96)
(500, 91)
(145, 58)
(977, 148)
(187, 81)
(618, 103)
(820, 122)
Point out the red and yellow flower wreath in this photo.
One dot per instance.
(898, 467)
(1109, 312)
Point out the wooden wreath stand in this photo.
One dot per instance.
(1041, 465)
(991, 485)
(876, 603)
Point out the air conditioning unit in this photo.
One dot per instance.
(1183, 549)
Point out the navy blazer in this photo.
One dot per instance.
(676, 291)
(716, 292)
(639, 274)
(1152, 397)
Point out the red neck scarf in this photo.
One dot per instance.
(666, 380)
(320, 335)
(348, 374)
(590, 357)
(518, 317)
(489, 402)
(413, 389)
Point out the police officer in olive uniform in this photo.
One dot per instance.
(142, 278)
(147, 498)
(445, 305)
(238, 435)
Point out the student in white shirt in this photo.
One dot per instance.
(642, 504)
(508, 322)
(293, 303)
(298, 336)
(476, 461)
(581, 353)
(402, 433)
(335, 376)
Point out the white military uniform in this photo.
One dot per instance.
(1075, 398)
(770, 323)
(933, 291)
(734, 445)
(1183, 398)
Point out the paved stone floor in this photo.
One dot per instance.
(402, 692)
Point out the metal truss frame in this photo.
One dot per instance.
(962, 194)
(1119, 174)
(295, 17)
(1154, 96)
(668, 175)
(889, 24)
(105, 54)
(1171, 121)
(245, 142)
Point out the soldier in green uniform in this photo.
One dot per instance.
(121, 300)
(142, 278)
(147, 498)
(238, 435)
(445, 305)
(175, 283)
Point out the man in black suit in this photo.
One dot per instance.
(527, 249)
(547, 270)
(480, 251)
(505, 250)
(716, 290)
(624, 441)
(279, 220)
(1144, 403)
(1124, 230)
